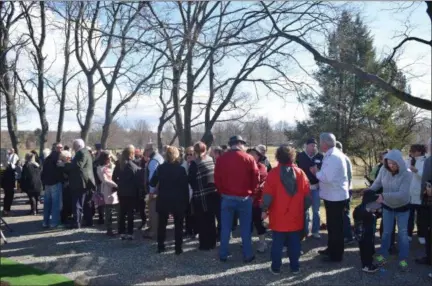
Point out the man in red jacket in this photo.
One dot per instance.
(236, 177)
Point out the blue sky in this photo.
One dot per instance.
(384, 24)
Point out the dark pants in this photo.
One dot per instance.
(82, 208)
(206, 221)
(140, 207)
(347, 221)
(190, 221)
(428, 236)
(127, 206)
(235, 221)
(109, 209)
(293, 243)
(8, 199)
(34, 199)
(335, 229)
(364, 222)
(67, 202)
(420, 220)
(257, 220)
(178, 230)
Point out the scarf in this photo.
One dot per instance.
(288, 179)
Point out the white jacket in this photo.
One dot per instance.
(415, 186)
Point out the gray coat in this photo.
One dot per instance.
(396, 188)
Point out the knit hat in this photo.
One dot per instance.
(261, 149)
(311, 141)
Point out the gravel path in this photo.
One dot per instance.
(91, 258)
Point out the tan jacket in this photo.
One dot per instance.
(107, 186)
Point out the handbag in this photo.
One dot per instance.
(98, 199)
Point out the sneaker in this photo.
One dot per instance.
(380, 260)
(295, 272)
(316, 235)
(262, 247)
(370, 269)
(403, 265)
(274, 272)
(409, 238)
(422, 240)
(45, 225)
(249, 260)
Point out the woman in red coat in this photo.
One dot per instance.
(257, 220)
(286, 194)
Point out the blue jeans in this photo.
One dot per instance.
(243, 207)
(292, 241)
(52, 205)
(315, 213)
(348, 235)
(402, 224)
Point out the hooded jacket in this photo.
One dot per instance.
(396, 188)
(415, 186)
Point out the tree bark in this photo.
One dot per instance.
(85, 129)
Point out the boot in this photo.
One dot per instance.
(262, 247)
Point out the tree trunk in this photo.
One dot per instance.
(90, 109)
(208, 138)
(108, 117)
(177, 111)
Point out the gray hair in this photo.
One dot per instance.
(329, 139)
(339, 145)
(150, 147)
(79, 144)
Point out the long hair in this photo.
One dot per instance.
(127, 154)
(200, 150)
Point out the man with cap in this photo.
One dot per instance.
(264, 160)
(236, 177)
(305, 160)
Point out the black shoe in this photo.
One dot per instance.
(110, 233)
(161, 249)
(178, 251)
(423, 261)
(324, 252)
(249, 260)
(370, 269)
(141, 226)
(327, 259)
(223, 259)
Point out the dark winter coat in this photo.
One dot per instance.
(30, 181)
(130, 180)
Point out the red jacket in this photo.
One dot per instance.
(286, 213)
(258, 194)
(236, 174)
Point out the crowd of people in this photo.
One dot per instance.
(209, 193)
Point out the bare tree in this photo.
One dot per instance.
(59, 85)
(319, 57)
(9, 96)
(37, 58)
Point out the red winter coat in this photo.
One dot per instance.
(258, 194)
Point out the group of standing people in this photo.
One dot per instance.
(206, 192)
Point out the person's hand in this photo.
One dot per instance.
(413, 169)
(380, 199)
(314, 169)
(264, 215)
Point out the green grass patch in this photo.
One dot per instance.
(20, 274)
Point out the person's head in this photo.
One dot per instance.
(58, 147)
(382, 155)
(286, 154)
(127, 155)
(65, 156)
(149, 150)
(138, 154)
(172, 155)
(262, 149)
(98, 147)
(255, 152)
(311, 146)
(30, 158)
(327, 141)
(394, 162)
(417, 150)
(11, 151)
(66, 148)
(189, 154)
(78, 144)
(217, 152)
(237, 142)
(200, 150)
(224, 148)
(104, 158)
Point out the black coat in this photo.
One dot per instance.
(173, 189)
(31, 178)
(130, 180)
(8, 178)
(51, 174)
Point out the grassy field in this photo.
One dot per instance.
(19, 274)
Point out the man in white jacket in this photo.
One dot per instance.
(417, 212)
